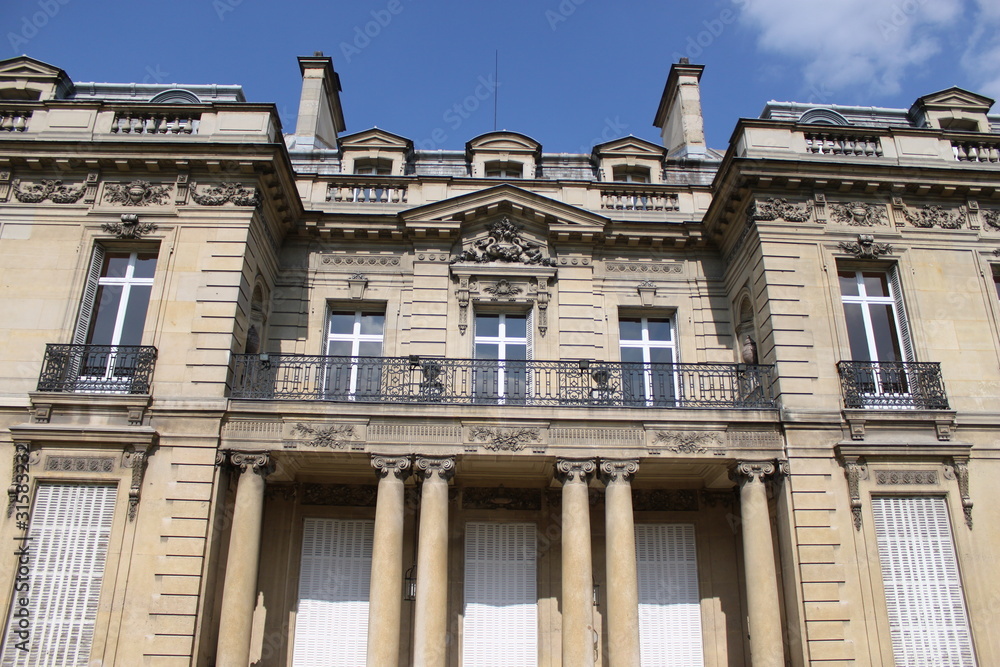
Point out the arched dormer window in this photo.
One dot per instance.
(175, 96)
(823, 117)
(504, 169)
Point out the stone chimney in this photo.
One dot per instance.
(679, 115)
(320, 115)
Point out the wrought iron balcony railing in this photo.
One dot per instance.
(100, 369)
(492, 382)
(892, 384)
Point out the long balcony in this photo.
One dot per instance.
(491, 382)
(892, 385)
(98, 369)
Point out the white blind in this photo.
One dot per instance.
(669, 603)
(331, 625)
(70, 529)
(923, 592)
(500, 627)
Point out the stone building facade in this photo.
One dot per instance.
(319, 398)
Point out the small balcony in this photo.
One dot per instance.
(880, 385)
(497, 382)
(97, 369)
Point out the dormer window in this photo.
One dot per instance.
(373, 166)
(630, 174)
(504, 169)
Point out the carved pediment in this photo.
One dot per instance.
(504, 241)
(955, 98)
(24, 66)
(630, 146)
(375, 138)
(499, 142)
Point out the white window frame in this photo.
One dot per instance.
(503, 169)
(924, 598)
(646, 344)
(501, 341)
(355, 338)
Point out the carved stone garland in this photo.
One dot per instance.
(53, 190)
(859, 214)
(236, 193)
(505, 439)
(137, 193)
(865, 247)
(936, 216)
(129, 228)
(334, 437)
(778, 208)
(504, 244)
(992, 218)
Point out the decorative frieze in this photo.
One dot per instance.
(252, 428)
(502, 498)
(689, 442)
(645, 267)
(504, 243)
(51, 189)
(859, 214)
(992, 218)
(365, 261)
(337, 436)
(779, 208)
(504, 439)
(865, 247)
(344, 495)
(129, 228)
(754, 439)
(408, 433)
(664, 500)
(80, 464)
(137, 193)
(906, 477)
(602, 437)
(217, 195)
(936, 216)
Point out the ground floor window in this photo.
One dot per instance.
(331, 623)
(500, 626)
(669, 603)
(923, 591)
(69, 533)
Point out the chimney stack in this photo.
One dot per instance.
(320, 115)
(679, 114)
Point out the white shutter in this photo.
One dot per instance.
(331, 624)
(669, 603)
(500, 626)
(70, 529)
(89, 297)
(902, 324)
(923, 591)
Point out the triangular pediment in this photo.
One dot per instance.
(27, 67)
(955, 98)
(503, 142)
(555, 216)
(375, 138)
(630, 146)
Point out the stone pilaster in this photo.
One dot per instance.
(240, 587)
(622, 574)
(385, 599)
(577, 565)
(431, 617)
(766, 647)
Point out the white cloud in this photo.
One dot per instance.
(982, 57)
(868, 45)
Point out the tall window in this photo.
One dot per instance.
(648, 352)
(500, 614)
(354, 343)
(70, 530)
(113, 314)
(501, 350)
(876, 328)
(331, 625)
(669, 602)
(923, 591)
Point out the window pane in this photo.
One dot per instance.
(102, 324)
(661, 355)
(135, 315)
(630, 329)
(886, 340)
(372, 323)
(848, 283)
(516, 352)
(516, 326)
(659, 329)
(115, 264)
(370, 349)
(487, 351)
(632, 354)
(856, 332)
(876, 283)
(339, 348)
(145, 265)
(342, 323)
(488, 325)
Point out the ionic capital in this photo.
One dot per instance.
(618, 470)
(399, 466)
(748, 472)
(427, 466)
(255, 462)
(575, 470)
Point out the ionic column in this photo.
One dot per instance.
(385, 598)
(239, 591)
(623, 578)
(577, 566)
(431, 625)
(766, 648)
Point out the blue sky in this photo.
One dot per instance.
(571, 72)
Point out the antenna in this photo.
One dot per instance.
(496, 85)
